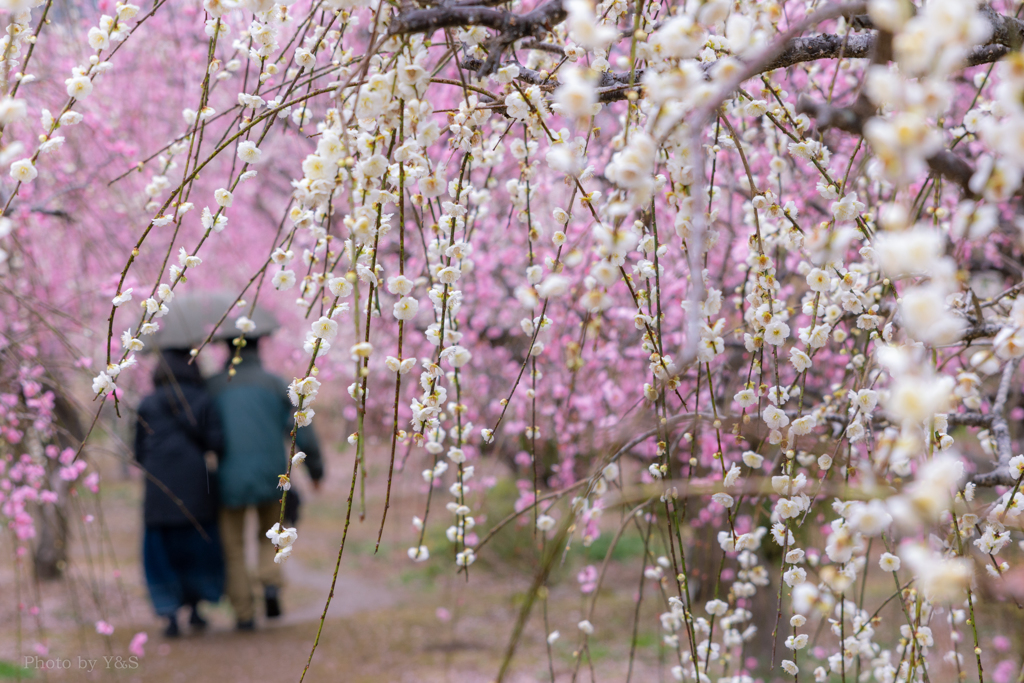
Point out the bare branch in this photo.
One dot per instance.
(985, 54)
(825, 116)
(950, 166)
(510, 27)
(825, 46)
(1007, 34)
(1008, 31)
(526, 75)
(852, 120)
(970, 419)
(981, 330)
(1000, 430)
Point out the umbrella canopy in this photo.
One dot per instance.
(193, 315)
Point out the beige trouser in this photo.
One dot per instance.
(232, 534)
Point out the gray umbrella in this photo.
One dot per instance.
(193, 315)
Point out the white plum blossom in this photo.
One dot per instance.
(79, 87)
(1016, 466)
(325, 328)
(576, 96)
(249, 152)
(889, 562)
(776, 333)
(283, 279)
(122, 297)
(24, 171)
(848, 208)
(406, 308)
(245, 324)
(223, 197)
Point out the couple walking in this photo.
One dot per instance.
(195, 516)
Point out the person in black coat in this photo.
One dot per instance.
(177, 425)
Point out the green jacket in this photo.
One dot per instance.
(257, 418)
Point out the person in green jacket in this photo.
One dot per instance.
(257, 417)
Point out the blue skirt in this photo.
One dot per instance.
(181, 566)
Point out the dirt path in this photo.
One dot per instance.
(390, 620)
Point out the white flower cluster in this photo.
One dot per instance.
(838, 334)
(283, 539)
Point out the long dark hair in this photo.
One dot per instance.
(173, 367)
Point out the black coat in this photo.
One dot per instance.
(171, 440)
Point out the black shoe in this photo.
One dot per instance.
(273, 602)
(196, 621)
(248, 625)
(172, 630)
